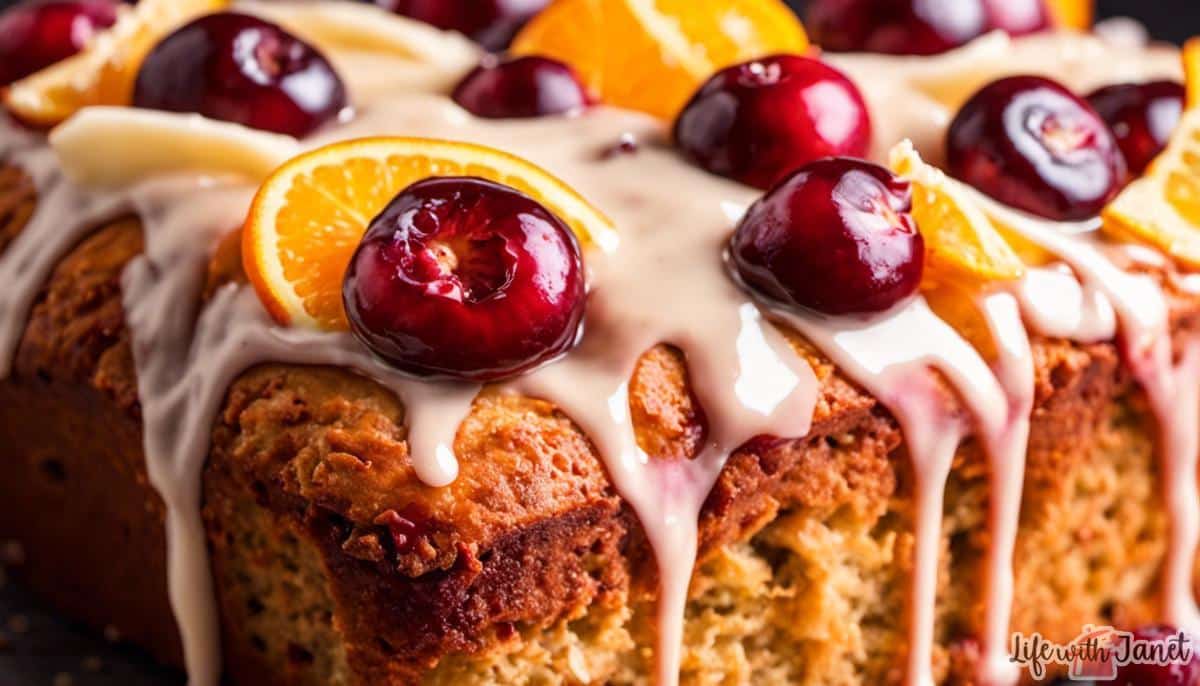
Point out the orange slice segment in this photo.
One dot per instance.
(104, 72)
(1072, 14)
(1163, 207)
(310, 215)
(651, 55)
(961, 243)
(1191, 68)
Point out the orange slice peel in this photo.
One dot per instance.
(1072, 14)
(668, 48)
(309, 216)
(104, 72)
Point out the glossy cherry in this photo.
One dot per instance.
(836, 236)
(522, 87)
(758, 121)
(35, 35)
(1032, 144)
(467, 279)
(917, 27)
(1180, 673)
(491, 23)
(241, 69)
(1142, 117)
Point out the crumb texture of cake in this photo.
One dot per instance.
(722, 478)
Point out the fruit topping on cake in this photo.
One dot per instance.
(238, 68)
(1142, 117)
(757, 121)
(1032, 144)
(102, 73)
(918, 27)
(1163, 206)
(465, 278)
(311, 214)
(962, 245)
(837, 236)
(668, 47)
(521, 87)
(491, 23)
(35, 35)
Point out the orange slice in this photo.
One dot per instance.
(1191, 67)
(104, 72)
(1073, 14)
(959, 306)
(1163, 207)
(961, 243)
(310, 215)
(651, 55)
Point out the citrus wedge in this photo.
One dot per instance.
(310, 215)
(1072, 14)
(958, 305)
(148, 143)
(1191, 68)
(651, 55)
(1163, 207)
(960, 241)
(104, 72)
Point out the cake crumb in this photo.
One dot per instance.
(5, 644)
(18, 624)
(112, 634)
(93, 664)
(63, 679)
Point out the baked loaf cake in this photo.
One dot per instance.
(717, 465)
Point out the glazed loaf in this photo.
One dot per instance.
(333, 564)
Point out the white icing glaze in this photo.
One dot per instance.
(666, 283)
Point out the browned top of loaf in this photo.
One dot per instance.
(332, 441)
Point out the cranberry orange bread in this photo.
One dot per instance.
(332, 378)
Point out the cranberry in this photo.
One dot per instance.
(1142, 116)
(242, 69)
(757, 121)
(918, 27)
(1032, 144)
(35, 35)
(491, 23)
(467, 279)
(836, 237)
(1180, 673)
(522, 87)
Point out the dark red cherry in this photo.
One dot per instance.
(241, 69)
(1032, 144)
(758, 121)
(491, 23)
(35, 35)
(464, 278)
(1142, 116)
(836, 236)
(917, 27)
(1168, 646)
(521, 87)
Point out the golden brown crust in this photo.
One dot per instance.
(530, 535)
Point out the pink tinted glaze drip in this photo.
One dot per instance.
(895, 357)
(661, 285)
(1146, 344)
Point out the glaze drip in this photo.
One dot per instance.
(665, 283)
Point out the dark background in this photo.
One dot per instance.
(1174, 20)
(37, 649)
